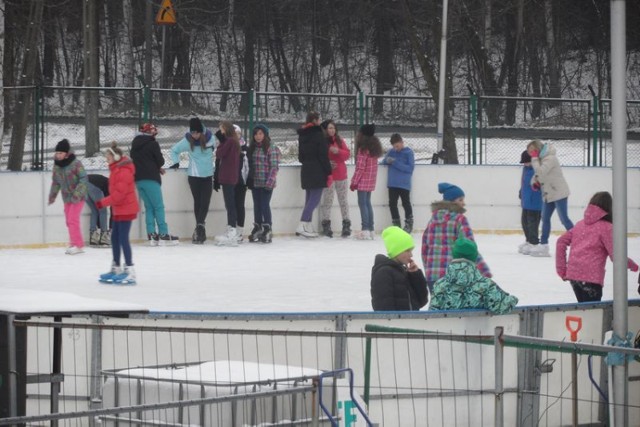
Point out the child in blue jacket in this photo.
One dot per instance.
(531, 203)
(400, 160)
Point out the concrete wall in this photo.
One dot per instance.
(491, 195)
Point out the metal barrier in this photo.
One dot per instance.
(489, 129)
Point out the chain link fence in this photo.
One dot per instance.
(488, 130)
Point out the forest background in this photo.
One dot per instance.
(533, 48)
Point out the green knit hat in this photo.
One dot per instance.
(396, 240)
(465, 248)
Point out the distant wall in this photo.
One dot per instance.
(491, 196)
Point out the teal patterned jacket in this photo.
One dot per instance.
(463, 286)
(70, 179)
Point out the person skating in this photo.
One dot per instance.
(70, 179)
(198, 143)
(148, 160)
(99, 225)
(124, 201)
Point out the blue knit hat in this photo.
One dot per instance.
(450, 192)
(262, 127)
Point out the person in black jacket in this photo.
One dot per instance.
(99, 227)
(148, 160)
(313, 154)
(397, 284)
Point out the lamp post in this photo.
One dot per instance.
(442, 75)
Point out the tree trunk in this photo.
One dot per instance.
(49, 54)
(513, 37)
(487, 36)
(91, 77)
(127, 52)
(386, 73)
(552, 53)
(8, 62)
(24, 102)
(250, 24)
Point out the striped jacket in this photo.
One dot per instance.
(446, 224)
(364, 177)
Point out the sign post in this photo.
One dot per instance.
(165, 16)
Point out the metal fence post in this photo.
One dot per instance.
(473, 100)
(37, 160)
(252, 115)
(499, 366)
(361, 108)
(596, 131)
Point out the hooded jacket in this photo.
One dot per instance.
(313, 154)
(549, 174)
(591, 241)
(463, 287)
(446, 224)
(69, 178)
(393, 288)
(147, 157)
(122, 190)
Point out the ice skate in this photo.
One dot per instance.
(105, 239)
(108, 277)
(153, 239)
(127, 277)
(94, 238)
(305, 229)
(229, 238)
(255, 233)
(168, 240)
(74, 250)
(267, 234)
(541, 251)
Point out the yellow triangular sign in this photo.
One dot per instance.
(167, 14)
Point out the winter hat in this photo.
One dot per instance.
(525, 157)
(368, 130)
(262, 127)
(195, 125)
(396, 240)
(63, 146)
(450, 192)
(324, 125)
(465, 248)
(149, 128)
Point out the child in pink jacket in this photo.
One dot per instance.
(368, 149)
(591, 241)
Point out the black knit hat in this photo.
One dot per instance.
(368, 130)
(195, 125)
(525, 157)
(324, 125)
(63, 146)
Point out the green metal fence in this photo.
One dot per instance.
(489, 130)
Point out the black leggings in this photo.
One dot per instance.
(586, 292)
(201, 189)
(240, 193)
(404, 195)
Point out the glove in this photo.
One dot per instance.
(535, 186)
(174, 166)
(216, 185)
(534, 154)
(99, 204)
(353, 187)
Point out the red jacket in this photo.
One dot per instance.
(591, 241)
(339, 171)
(122, 190)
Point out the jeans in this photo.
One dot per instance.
(547, 211)
(201, 189)
(151, 195)
(228, 192)
(405, 197)
(366, 210)
(93, 195)
(261, 205)
(311, 202)
(530, 225)
(120, 242)
(72, 213)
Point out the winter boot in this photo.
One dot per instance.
(127, 277)
(108, 277)
(326, 229)
(229, 238)
(305, 229)
(94, 238)
(153, 239)
(105, 239)
(408, 224)
(396, 222)
(346, 228)
(255, 233)
(239, 231)
(267, 234)
(199, 235)
(168, 240)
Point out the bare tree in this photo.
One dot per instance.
(91, 78)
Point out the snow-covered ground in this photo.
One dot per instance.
(290, 275)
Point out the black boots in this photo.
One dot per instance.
(408, 224)
(199, 235)
(396, 222)
(346, 228)
(256, 232)
(326, 228)
(267, 234)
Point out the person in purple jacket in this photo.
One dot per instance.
(591, 241)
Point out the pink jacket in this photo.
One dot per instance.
(364, 177)
(591, 241)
